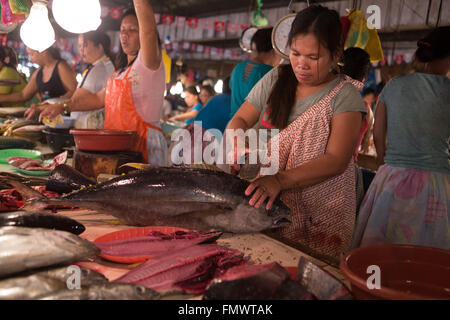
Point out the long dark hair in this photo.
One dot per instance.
(100, 38)
(356, 63)
(54, 53)
(325, 24)
(7, 52)
(122, 58)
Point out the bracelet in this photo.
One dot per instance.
(66, 109)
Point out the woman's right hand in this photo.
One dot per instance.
(33, 111)
(51, 111)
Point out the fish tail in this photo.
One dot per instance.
(25, 191)
(35, 201)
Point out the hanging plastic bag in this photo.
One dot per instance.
(9, 18)
(20, 6)
(360, 36)
(358, 33)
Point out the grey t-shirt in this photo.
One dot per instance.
(95, 81)
(347, 100)
(418, 122)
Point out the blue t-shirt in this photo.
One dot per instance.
(197, 107)
(243, 78)
(418, 122)
(216, 113)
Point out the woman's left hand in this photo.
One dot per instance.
(267, 187)
(51, 111)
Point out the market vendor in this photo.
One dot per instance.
(192, 100)
(134, 94)
(319, 114)
(8, 71)
(53, 79)
(94, 48)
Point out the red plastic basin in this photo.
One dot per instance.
(103, 140)
(407, 272)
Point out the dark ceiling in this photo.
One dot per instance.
(202, 8)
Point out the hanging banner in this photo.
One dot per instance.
(206, 24)
(157, 18)
(115, 13)
(233, 28)
(399, 58)
(192, 23)
(167, 19)
(180, 21)
(219, 26)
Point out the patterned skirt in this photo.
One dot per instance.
(405, 206)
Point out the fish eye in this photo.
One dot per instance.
(140, 289)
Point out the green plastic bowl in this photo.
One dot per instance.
(9, 153)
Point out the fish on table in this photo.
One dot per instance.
(105, 291)
(36, 283)
(40, 220)
(156, 243)
(23, 249)
(186, 270)
(196, 199)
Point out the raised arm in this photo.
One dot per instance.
(148, 34)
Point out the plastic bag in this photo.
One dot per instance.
(8, 17)
(20, 6)
(360, 36)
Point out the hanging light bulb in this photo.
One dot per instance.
(36, 32)
(77, 16)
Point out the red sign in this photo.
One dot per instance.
(167, 19)
(115, 13)
(192, 23)
(219, 26)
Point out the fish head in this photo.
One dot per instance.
(279, 214)
(250, 219)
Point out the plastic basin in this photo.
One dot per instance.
(103, 140)
(407, 272)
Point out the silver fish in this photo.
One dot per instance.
(31, 285)
(196, 199)
(23, 249)
(106, 291)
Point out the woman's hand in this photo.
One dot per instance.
(51, 111)
(33, 111)
(267, 187)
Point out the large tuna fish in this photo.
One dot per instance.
(196, 199)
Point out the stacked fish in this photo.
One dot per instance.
(36, 261)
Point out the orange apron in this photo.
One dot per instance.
(120, 113)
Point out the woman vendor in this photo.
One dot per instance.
(192, 100)
(8, 71)
(134, 94)
(53, 79)
(319, 114)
